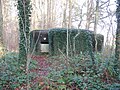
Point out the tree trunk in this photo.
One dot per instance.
(64, 22)
(95, 23)
(117, 50)
(48, 13)
(24, 14)
(1, 25)
(89, 13)
(70, 11)
(24, 9)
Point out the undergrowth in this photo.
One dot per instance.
(12, 74)
(79, 74)
(73, 73)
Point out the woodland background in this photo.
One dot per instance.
(19, 70)
(98, 16)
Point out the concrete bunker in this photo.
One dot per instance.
(39, 41)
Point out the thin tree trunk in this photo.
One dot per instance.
(64, 23)
(1, 24)
(89, 13)
(48, 13)
(88, 19)
(96, 22)
(117, 50)
(52, 13)
(70, 10)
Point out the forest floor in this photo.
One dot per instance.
(41, 69)
(42, 65)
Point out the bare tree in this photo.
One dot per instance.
(70, 12)
(49, 13)
(64, 22)
(1, 24)
(90, 13)
(96, 22)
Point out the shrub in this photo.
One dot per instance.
(80, 74)
(12, 74)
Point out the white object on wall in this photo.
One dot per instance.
(44, 47)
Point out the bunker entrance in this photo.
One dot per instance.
(39, 41)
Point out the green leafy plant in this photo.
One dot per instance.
(80, 74)
(12, 75)
(24, 14)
